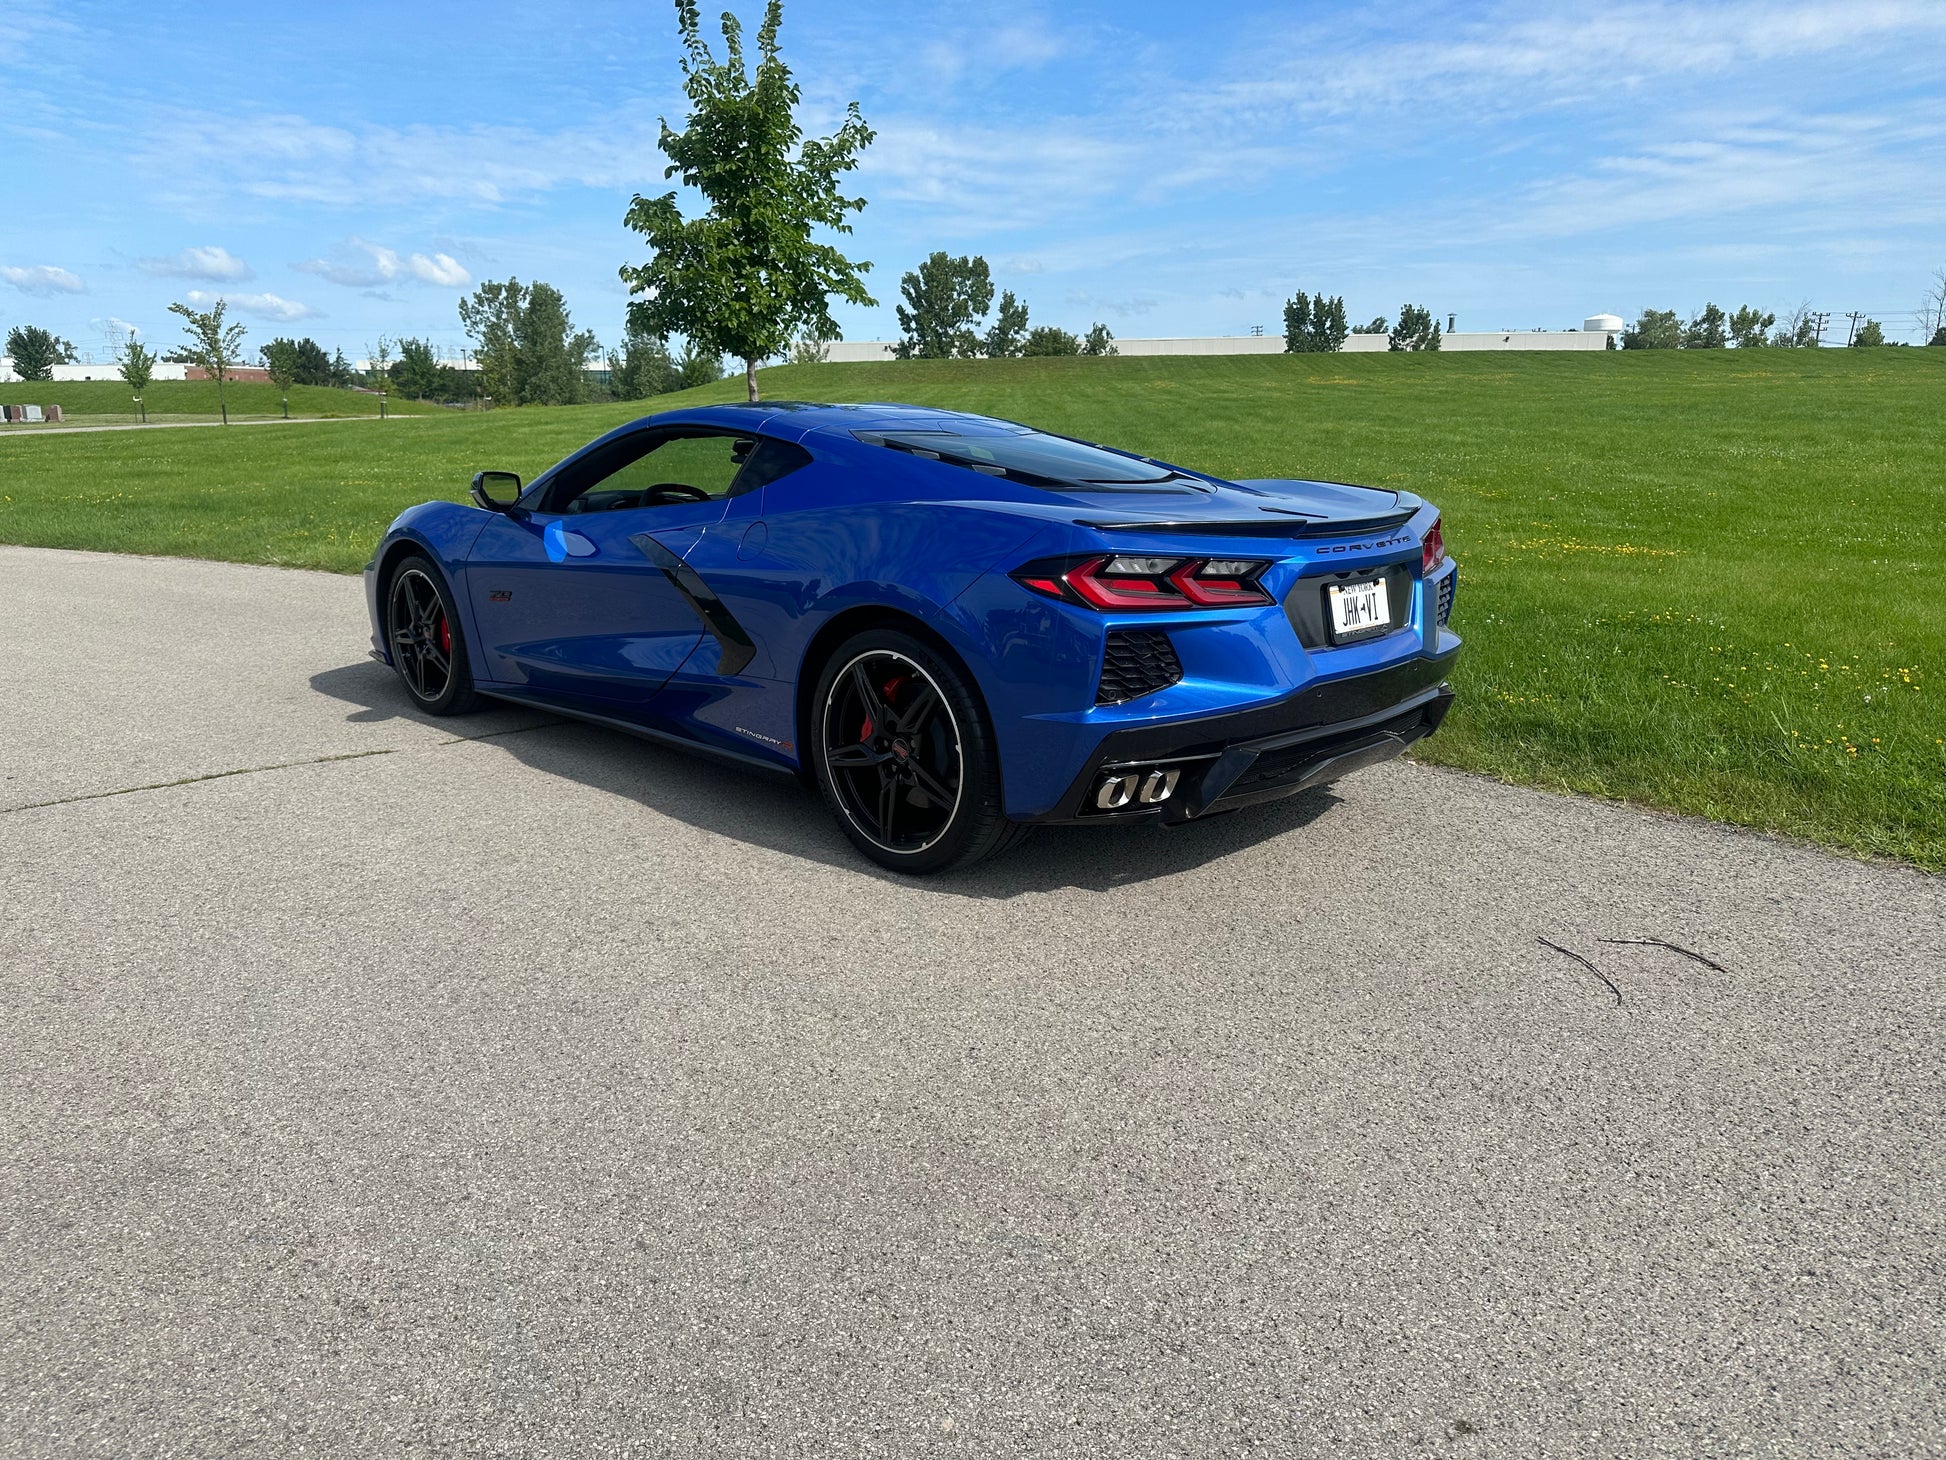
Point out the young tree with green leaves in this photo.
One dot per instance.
(135, 363)
(1314, 326)
(1008, 333)
(1750, 328)
(746, 277)
(341, 373)
(1871, 332)
(1099, 340)
(419, 375)
(1417, 329)
(36, 351)
(215, 347)
(1706, 330)
(378, 367)
(280, 360)
(1656, 329)
(948, 299)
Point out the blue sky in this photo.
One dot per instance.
(348, 170)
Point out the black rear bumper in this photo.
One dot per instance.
(1275, 750)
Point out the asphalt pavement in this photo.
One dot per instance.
(373, 1086)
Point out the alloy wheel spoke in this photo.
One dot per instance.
(940, 792)
(868, 697)
(855, 757)
(888, 801)
(914, 716)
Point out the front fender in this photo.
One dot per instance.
(444, 532)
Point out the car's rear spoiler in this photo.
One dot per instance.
(1281, 526)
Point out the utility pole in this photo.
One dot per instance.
(1852, 332)
(1821, 317)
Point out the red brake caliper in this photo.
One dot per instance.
(886, 689)
(445, 635)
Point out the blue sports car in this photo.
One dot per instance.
(956, 627)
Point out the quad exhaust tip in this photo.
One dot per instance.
(1120, 789)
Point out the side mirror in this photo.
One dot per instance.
(496, 490)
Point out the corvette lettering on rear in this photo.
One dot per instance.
(1361, 547)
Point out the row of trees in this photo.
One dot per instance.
(944, 317)
(1748, 328)
(1316, 325)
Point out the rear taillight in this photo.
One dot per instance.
(1432, 549)
(1127, 582)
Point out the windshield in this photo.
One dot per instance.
(1030, 456)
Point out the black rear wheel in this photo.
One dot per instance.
(905, 756)
(423, 634)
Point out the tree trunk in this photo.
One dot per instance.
(750, 378)
(222, 402)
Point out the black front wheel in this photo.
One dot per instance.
(422, 633)
(905, 756)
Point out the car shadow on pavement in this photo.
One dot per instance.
(782, 815)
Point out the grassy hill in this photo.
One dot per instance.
(1702, 580)
(104, 402)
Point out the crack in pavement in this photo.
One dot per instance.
(258, 770)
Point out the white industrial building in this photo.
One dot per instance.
(163, 370)
(1597, 332)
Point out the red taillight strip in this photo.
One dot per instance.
(1216, 592)
(1432, 548)
(1119, 591)
(1175, 587)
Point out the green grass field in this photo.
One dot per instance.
(1704, 581)
(106, 402)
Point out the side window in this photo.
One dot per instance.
(769, 460)
(672, 469)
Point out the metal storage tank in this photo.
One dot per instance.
(1602, 324)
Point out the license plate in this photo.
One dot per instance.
(1358, 608)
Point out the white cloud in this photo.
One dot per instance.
(442, 269)
(1511, 59)
(43, 279)
(217, 265)
(30, 26)
(997, 177)
(357, 264)
(114, 327)
(292, 159)
(262, 306)
(985, 51)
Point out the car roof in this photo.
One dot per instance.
(803, 417)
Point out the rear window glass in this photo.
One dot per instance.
(1031, 456)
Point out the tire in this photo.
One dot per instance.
(905, 756)
(424, 639)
